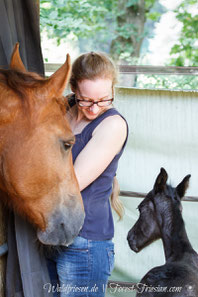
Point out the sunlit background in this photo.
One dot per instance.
(156, 33)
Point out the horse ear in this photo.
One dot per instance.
(16, 62)
(182, 187)
(161, 180)
(56, 83)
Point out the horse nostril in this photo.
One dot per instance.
(62, 225)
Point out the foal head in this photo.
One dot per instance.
(157, 211)
(36, 170)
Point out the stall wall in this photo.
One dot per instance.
(163, 132)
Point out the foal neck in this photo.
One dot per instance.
(175, 240)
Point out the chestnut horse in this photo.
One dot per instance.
(36, 170)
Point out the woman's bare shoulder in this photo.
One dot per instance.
(114, 123)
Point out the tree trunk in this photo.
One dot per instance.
(131, 19)
(130, 23)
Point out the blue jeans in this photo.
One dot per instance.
(82, 269)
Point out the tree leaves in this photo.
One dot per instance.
(61, 17)
(131, 3)
(186, 51)
(120, 20)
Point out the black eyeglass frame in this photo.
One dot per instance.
(93, 102)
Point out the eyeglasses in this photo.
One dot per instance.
(89, 103)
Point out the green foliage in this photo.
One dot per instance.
(81, 18)
(127, 30)
(186, 51)
(98, 23)
(154, 16)
(131, 3)
(91, 19)
(170, 82)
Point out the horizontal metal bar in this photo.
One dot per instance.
(136, 69)
(51, 67)
(143, 195)
(3, 249)
(169, 70)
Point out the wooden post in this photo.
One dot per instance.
(3, 258)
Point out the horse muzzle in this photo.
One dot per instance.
(62, 226)
(132, 242)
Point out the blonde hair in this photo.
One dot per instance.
(91, 66)
(116, 204)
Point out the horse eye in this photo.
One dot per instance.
(67, 145)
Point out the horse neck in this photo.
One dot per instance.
(174, 237)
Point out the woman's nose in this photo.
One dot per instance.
(94, 108)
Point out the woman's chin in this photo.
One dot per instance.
(91, 116)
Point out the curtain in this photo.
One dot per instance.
(20, 23)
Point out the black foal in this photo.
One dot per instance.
(161, 217)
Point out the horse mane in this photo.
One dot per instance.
(18, 81)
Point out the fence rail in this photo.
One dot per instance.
(169, 70)
(143, 195)
(134, 69)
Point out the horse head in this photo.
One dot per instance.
(156, 211)
(36, 169)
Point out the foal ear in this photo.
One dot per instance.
(182, 187)
(16, 62)
(161, 180)
(58, 81)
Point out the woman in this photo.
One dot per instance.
(101, 133)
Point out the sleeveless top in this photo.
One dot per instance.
(98, 224)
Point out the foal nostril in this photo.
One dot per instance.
(133, 246)
(132, 242)
(135, 249)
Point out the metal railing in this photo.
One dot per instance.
(143, 195)
(143, 69)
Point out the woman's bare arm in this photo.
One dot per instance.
(107, 140)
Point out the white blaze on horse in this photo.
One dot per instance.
(37, 177)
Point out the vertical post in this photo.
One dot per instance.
(38, 6)
(2, 241)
